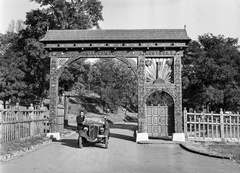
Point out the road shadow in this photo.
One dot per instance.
(131, 127)
(74, 144)
(123, 137)
(69, 142)
(163, 138)
(124, 126)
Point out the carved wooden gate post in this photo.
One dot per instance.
(178, 95)
(142, 127)
(53, 105)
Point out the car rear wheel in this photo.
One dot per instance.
(106, 143)
(80, 142)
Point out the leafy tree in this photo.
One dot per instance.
(68, 14)
(12, 69)
(24, 63)
(75, 76)
(56, 14)
(115, 83)
(211, 73)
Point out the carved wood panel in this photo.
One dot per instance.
(159, 121)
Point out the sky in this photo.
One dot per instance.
(219, 17)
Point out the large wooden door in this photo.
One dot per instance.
(159, 121)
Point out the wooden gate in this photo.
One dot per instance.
(159, 121)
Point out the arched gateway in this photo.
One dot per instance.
(158, 53)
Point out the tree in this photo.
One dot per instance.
(115, 83)
(75, 76)
(71, 14)
(12, 86)
(15, 26)
(57, 14)
(211, 73)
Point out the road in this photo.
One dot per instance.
(122, 156)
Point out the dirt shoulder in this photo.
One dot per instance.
(17, 148)
(225, 150)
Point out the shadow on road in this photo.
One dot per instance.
(69, 142)
(131, 126)
(74, 143)
(124, 126)
(124, 137)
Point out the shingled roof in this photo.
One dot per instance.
(111, 35)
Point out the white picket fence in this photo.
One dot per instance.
(18, 122)
(211, 126)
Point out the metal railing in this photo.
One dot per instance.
(19, 122)
(211, 126)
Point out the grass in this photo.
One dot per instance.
(229, 149)
(221, 149)
(21, 145)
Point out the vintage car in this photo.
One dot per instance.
(95, 130)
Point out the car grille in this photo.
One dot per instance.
(93, 131)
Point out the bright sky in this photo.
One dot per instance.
(200, 16)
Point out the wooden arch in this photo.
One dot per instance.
(120, 56)
(66, 46)
(170, 93)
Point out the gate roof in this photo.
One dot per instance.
(116, 35)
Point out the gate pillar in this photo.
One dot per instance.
(142, 125)
(53, 105)
(178, 94)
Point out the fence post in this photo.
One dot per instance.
(45, 123)
(31, 116)
(1, 120)
(185, 121)
(42, 117)
(238, 126)
(221, 124)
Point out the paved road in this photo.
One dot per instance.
(123, 156)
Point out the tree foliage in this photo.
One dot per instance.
(24, 49)
(211, 73)
(75, 77)
(12, 69)
(71, 14)
(115, 83)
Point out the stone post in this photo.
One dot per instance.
(53, 105)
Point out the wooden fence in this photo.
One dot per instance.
(19, 122)
(211, 126)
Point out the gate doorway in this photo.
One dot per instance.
(160, 115)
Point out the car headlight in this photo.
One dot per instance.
(85, 129)
(101, 129)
